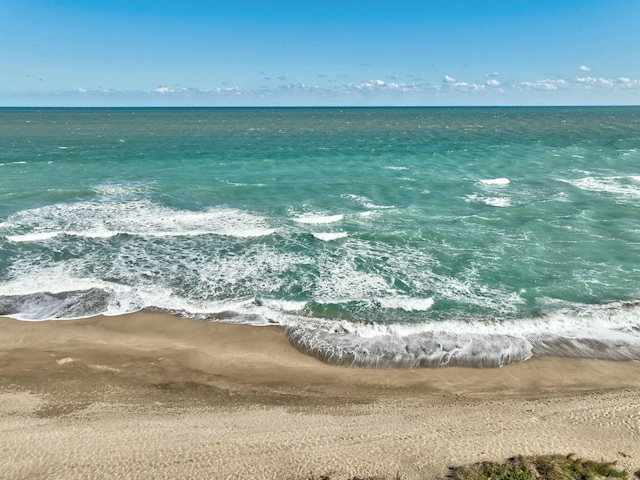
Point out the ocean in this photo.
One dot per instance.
(379, 237)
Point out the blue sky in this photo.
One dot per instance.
(242, 52)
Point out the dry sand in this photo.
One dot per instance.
(152, 396)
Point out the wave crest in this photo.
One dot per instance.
(68, 305)
(426, 349)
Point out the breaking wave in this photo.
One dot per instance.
(609, 332)
(138, 217)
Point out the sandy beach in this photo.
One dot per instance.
(148, 395)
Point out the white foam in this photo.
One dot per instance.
(365, 202)
(328, 236)
(356, 274)
(53, 279)
(340, 280)
(491, 201)
(496, 181)
(283, 305)
(497, 202)
(118, 191)
(407, 304)
(94, 234)
(257, 269)
(123, 299)
(215, 278)
(428, 349)
(236, 184)
(598, 322)
(62, 278)
(607, 331)
(455, 341)
(32, 237)
(396, 168)
(620, 186)
(64, 303)
(616, 322)
(318, 219)
(142, 218)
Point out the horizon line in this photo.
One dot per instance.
(4, 107)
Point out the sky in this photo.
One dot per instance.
(319, 53)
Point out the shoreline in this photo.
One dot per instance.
(194, 399)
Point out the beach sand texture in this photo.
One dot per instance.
(148, 395)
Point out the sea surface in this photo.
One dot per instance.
(382, 237)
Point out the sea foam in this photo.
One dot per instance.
(318, 219)
(328, 236)
(590, 332)
(490, 201)
(407, 304)
(496, 181)
(624, 187)
(365, 202)
(33, 237)
(142, 218)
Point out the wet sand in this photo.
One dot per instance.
(149, 395)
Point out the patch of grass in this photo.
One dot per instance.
(540, 467)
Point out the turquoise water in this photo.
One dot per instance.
(376, 236)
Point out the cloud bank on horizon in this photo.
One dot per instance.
(201, 53)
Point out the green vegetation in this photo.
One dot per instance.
(540, 467)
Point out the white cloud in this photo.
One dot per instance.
(371, 84)
(391, 91)
(163, 90)
(591, 81)
(374, 86)
(377, 86)
(545, 84)
(625, 82)
(591, 84)
(299, 87)
(492, 74)
(466, 87)
(191, 91)
(226, 90)
(584, 68)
